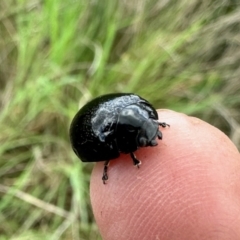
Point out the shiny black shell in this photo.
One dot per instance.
(112, 124)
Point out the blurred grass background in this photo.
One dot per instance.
(57, 55)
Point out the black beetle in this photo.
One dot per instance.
(112, 124)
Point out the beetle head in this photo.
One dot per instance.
(136, 129)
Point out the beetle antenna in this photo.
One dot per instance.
(163, 124)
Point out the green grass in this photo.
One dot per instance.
(57, 55)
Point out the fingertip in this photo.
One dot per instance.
(182, 174)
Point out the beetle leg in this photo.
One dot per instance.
(163, 124)
(136, 162)
(159, 135)
(105, 175)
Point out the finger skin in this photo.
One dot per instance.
(187, 187)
